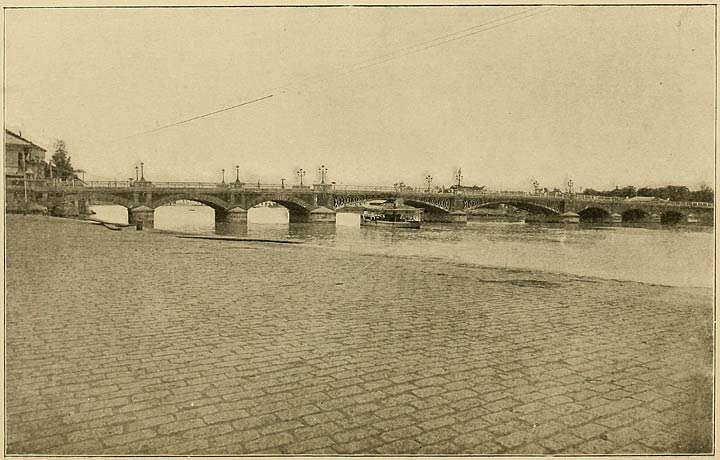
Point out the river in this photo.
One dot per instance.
(672, 256)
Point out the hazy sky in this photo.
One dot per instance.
(603, 95)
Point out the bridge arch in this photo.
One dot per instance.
(439, 205)
(342, 204)
(594, 214)
(634, 215)
(298, 210)
(528, 206)
(430, 208)
(672, 217)
(110, 198)
(208, 200)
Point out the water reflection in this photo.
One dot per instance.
(674, 255)
(231, 229)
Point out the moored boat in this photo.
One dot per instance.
(396, 217)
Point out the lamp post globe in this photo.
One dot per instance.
(301, 174)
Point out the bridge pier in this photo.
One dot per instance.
(319, 215)
(322, 215)
(236, 215)
(144, 214)
(232, 221)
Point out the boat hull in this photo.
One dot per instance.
(385, 223)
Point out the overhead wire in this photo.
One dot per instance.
(202, 116)
(414, 51)
(370, 62)
(378, 60)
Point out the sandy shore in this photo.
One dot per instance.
(140, 342)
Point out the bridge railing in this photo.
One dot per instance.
(364, 188)
(689, 204)
(606, 199)
(106, 184)
(44, 184)
(187, 185)
(230, 185)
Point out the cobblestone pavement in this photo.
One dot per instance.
(142, 343)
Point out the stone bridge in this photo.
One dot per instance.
(320, 202)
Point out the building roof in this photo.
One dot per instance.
(15, 139)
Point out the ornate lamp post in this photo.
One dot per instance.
(137, 176)
(459, 178)
(142, 171)
(428, 179)
(223, 175)
(237, 173)
(282, 183)
(570, 186)
(301, 174)
(323, 173)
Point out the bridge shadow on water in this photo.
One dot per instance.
(302, 231)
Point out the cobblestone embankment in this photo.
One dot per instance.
(142, 343)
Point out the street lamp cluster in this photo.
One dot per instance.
(140, 172)
(237, 174)
(301, 174)
(459, 177)
(569, 188)
(323, 171)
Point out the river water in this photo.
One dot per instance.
(673, 256)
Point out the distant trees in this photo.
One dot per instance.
(63, 167)
(627, 192)
(669, 192)
(706, 194)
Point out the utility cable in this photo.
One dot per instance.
(405, 51)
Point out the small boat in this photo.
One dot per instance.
(402, 217)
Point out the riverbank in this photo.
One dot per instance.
(142, 343)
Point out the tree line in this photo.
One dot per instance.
(668, 192)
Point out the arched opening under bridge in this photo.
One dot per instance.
(529, 207)
(428, 208)
(109, 208)
(496, 211)
(278, 210)
(186, 215)
(672, 217)
(634, 215)
(268, 212)
(594, 215)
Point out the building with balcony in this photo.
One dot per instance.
(22, 155)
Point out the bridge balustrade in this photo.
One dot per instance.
(188, 185)
(365, 188)
(108, 183)
(77, 185)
